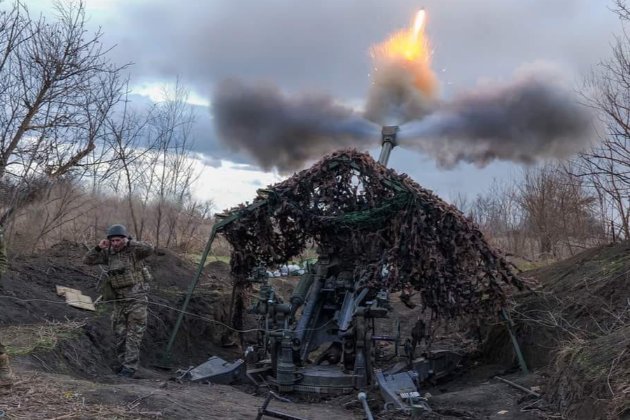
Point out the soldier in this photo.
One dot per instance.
(6, 379)
(127, 283)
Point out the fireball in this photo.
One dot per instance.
(409, 50)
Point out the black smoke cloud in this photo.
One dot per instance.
(531, 118)
(286, 132)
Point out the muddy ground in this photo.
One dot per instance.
(63, 356)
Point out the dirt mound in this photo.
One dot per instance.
(28, 288)
(171, 270)
(72, 350)
(29, 301)
(575, 325)
(591, 379)
(591, 289)
(220, 272)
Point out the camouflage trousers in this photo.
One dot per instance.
(129, 322)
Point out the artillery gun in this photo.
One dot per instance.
(324, 339)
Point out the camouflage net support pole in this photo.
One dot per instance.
(517, 347)
(215, 229)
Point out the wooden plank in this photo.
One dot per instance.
(61, 290)
(76, 298)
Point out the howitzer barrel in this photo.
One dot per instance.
(388, 143)
(299, 294)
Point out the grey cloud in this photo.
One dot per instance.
(286, 132)
(209, 160)
(532, 117)
(323, 46)
(206, 140)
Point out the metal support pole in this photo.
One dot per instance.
(215, 229)
(517, 348)
(191, 289)
(363, 398)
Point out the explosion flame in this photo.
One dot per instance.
(533, 116)
(410, 48)
(403, 82)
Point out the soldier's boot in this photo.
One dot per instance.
(126, 372)
(6, 376)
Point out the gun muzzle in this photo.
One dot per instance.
(388, 142)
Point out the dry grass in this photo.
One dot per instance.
(25, 339)
(595, 371)
(68, 211)
(39, 397)
(576, 324)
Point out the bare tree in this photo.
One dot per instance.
(607, 165)
(64, 202)
(195, 215)
(154, 167)
(57, 87)
(65, 115)
(132, 147)
(498, 214)
(557, 208)
(173, 170)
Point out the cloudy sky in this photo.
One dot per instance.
(323, 46)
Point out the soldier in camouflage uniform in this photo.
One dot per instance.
(6, 379)
(127, 284)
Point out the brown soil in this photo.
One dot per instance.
(575, 327)
(63, 356)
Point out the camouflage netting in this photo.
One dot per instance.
(384, 221)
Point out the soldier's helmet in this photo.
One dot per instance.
(117, 230)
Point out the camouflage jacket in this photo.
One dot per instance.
(3, 255)
(126, 273)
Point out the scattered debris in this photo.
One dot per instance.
(76, 298)
(217, 371)
(517, 386)
(264, 411)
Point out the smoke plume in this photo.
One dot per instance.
(285, 132)
(531, 118)
(395, 96)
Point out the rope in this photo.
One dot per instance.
(209, 320)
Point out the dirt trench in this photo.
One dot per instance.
(63, 357)
(64, 364)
